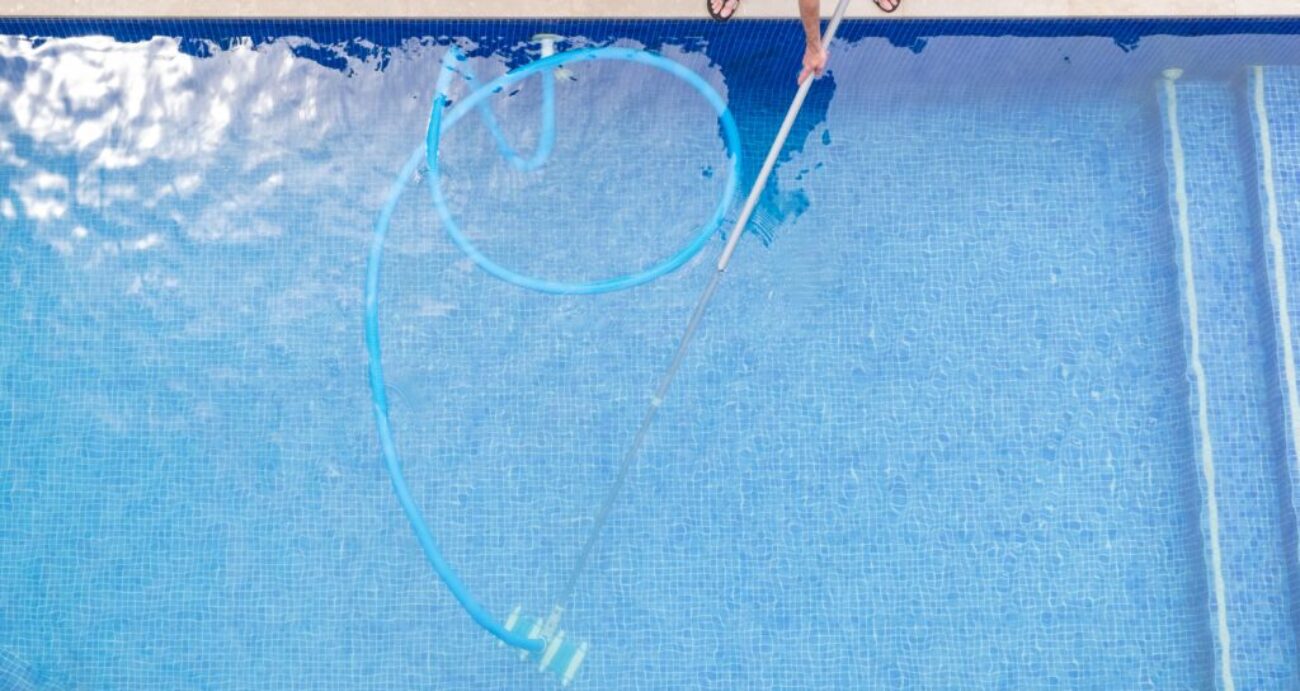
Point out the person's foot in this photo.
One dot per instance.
(722, 10)
(888, 5)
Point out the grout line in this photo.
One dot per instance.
(1198, 374)
(1274, 234)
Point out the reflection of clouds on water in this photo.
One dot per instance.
(116, 136)
(155, 172)
(44, 195)
(160, 174)
(95, 94)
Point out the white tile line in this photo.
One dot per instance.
(1198, 375)
(1273, 231)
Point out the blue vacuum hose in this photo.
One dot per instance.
(439, 123)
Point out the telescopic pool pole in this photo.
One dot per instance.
(737, 230)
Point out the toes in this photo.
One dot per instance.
(723, 9)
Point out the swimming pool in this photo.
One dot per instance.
(1000, 394)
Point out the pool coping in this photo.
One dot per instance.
(647, 9)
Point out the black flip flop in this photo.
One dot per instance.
(718, 16)
(897, 4)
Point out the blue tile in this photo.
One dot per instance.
(935, 431)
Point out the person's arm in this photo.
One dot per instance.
(814, 56)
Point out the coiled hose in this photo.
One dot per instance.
(440, 120)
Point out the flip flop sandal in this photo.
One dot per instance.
(722, 7)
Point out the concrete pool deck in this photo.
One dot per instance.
(642, 8)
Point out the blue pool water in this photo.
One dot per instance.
(1001, 392)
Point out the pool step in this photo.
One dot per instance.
(1271, 96)
(1239, 433)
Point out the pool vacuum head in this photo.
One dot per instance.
(561, 656)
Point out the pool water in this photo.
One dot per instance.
(1000, 392)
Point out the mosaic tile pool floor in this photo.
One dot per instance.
(1001, 393)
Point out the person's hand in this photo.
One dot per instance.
(814, 62)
